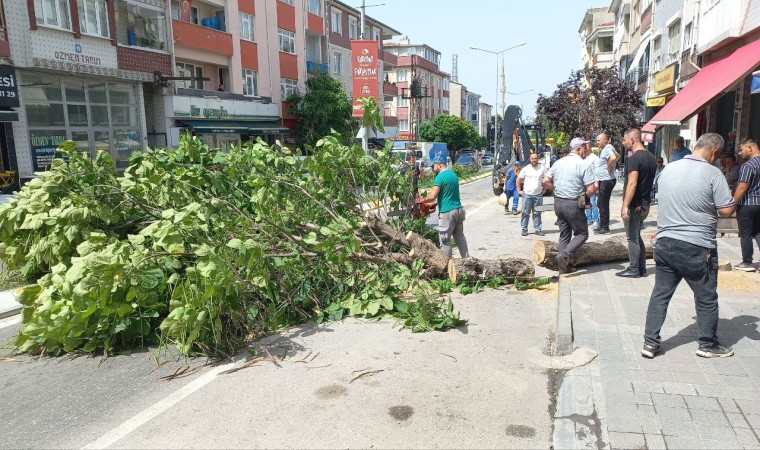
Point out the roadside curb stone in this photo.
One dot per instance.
(9, 306)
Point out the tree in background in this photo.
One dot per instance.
(322, 108)
(490, 133)
(592, 101)
(455, 132)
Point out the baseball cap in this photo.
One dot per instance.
(577, 142)
(516, 163)
(437, 160)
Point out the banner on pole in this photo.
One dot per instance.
(365, 72)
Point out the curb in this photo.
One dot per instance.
(8, 304)
(564, 326)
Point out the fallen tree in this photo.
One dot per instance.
(206, 250)
(609, 250)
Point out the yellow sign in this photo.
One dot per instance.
(657, 101)
(665, 80)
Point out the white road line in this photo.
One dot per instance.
(154, 410)
(489, 202)
(10, 321)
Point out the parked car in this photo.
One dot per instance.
(466, 160)
(487, 159)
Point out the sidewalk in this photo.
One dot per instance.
(677, 399)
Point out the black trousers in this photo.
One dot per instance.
(748, 218)
(603, 202)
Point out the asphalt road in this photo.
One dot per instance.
(480, 386)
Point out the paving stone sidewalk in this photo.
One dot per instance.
(676, 400)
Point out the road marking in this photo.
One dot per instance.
(139, 419)
(10, 321)
(485, 203)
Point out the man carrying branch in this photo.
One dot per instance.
(450, 211)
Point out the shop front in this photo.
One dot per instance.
(222, 123)
(8, 116)
(663, 90)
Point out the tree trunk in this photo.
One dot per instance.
(609, 250)
(484, 269)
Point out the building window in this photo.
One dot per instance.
(140, 25)
(337, 62)
(287, 41)
(687, 37)
(376, 35)
(53, 13)
(288, 87)
(403, 125)
(246, 26)
(402, 75)
(289, 2)
(604, 44)
(445, 103)
(250, 83)
(674, 41)
(93, 17)
(190, 71)
(353, 28)
(336, 24)
(315, 7)
(657, 53)
(402, 102)
(445, 84)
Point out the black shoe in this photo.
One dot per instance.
(597, 228)
(539, 233)
(602, 231)
(716, 351)
(524, 233)
(648, 351)
(642, 272)
(630, 272)
(562, 263)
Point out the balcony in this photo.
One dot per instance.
(5, 46)
(315, 67)
(202, 38)
(389, 58)
(390, 90)
(637, 75)
(603, 59)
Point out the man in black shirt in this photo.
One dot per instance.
(639, 178)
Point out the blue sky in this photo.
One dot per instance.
(550, 28)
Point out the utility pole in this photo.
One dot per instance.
(363, 36)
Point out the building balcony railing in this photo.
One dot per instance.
(389, 58)
(187, 34)
(603, 58)
(390, 90)
(5, 46)
(637, 75)
(316, 67)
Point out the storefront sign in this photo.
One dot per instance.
(44, 145)
(365, 72)
(653, 102)
(405, 136)
(77, 56)
(8, 87)
(665, 80)
(209, 113)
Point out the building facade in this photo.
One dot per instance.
(418, 67)
(484, 117)
(596, 32)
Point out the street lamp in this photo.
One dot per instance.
(497, 53)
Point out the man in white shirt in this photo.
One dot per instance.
(530, 185)
(605, 167)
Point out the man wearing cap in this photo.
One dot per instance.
(571, 179)
(450, 211)
(510, 187)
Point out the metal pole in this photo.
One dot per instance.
(364, 7)
(495, 116)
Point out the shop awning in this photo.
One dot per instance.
(8, 115)
(706, 85)
(231, 127)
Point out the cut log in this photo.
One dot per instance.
(609, 250)
(485, 269)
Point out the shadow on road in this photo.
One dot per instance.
(730, 332)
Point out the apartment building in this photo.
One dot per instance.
(344, 25)
(418, 67)
(484, 117)
(596, 32)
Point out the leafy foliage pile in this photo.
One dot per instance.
(591, 101)
(206, 250)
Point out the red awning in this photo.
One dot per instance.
(706, 85)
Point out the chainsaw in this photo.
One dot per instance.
(419, 209)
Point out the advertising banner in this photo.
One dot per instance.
(8, 87)
(365, 72)
(44, 145)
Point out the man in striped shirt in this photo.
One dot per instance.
(747, 197)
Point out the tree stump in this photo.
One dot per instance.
(609, 250)
(484, 269)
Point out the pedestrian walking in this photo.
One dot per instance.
(747, 196)
(530, 185)
(572, 180)
(637, 191)
(680, 151)
(510, 187)
(686, 246)
(592, 213)
(605, 176)
(451, 214)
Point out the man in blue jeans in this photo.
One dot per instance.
(639, 179)
(510, 187)
(686, 245)
(530, 184)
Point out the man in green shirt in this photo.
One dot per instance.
(450, 212)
